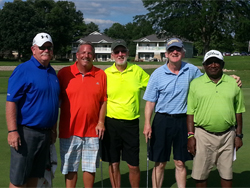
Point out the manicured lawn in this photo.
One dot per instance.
(241, 166)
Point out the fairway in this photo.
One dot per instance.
(241, 167)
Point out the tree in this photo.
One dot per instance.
(22, 20)
(91, 27)
(16, 26)
(196, 20)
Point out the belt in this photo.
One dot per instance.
(176, 115)
(216, 133)
(38, 128)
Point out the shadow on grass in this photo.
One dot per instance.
(239, 180)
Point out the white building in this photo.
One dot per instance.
(102, 45)
(151, 48)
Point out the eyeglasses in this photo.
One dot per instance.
(174, 48)
(118, 51)
(46, 47)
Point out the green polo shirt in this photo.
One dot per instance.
(124, 91)
(214, 105)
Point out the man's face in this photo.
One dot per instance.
(213, 67)
(44, 53)
(85, 55)
(175, 54)
(120, 55)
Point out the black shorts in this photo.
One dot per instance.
(121, 138)
(30, 160)
(167, 132)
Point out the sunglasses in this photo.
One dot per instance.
(213, 60)
(118, 51)
(46, 47)
(174, 48)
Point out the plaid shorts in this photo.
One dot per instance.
(73, 149)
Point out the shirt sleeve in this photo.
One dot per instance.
(16, 85)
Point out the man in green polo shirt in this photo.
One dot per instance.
(124, 84)
(215, 106)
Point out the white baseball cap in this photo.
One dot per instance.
(41, 38)
(213, 53)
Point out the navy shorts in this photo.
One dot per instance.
(121, 138)
(167, 133)
(31, 158)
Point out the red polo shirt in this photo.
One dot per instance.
(81, 98)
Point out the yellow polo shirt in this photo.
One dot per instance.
(124, 91)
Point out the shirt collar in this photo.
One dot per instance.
(128, 68)
(183, 68)
(208, 80)
(76, 72)
(39, 65)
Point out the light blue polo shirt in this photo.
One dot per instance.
(168, 90)
(36, 90)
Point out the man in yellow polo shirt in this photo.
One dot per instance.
(124, 84)
(214, 108)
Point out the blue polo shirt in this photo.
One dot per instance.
(36, 90)
(168, 90)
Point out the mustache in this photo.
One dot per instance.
(45, 53)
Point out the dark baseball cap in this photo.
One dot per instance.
(174, 42)
(118, 42)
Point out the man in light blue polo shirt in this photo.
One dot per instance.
(167, 93)
(31, 113)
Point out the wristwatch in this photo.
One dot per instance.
(239, 135)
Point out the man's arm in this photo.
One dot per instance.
(191, 146)
(11, 115)
(149, 108)
(100, 128)
(238, 141)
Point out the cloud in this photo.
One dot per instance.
(102, 24)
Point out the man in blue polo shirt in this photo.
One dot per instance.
(31, 113)
(167, 93)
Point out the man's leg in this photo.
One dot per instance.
(201, 183)
(71, 179)
(88, 179)
(180, 173)
(134, 176)
(226, 183)
(158, 174)
(114, 175)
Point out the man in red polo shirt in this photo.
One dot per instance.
(83, 107)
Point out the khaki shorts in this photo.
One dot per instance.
(213, 150)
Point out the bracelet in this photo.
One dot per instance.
(190, 136)
(190, 133)
(100, 122)
(12, 131)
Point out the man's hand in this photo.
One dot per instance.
(147, 131)
(14, 140)
(100, 128)
(238, 143)
(191, 146)
(237, 78)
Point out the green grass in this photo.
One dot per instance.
(241, 167)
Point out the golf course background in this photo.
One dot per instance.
(238, 65)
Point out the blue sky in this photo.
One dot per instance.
(106, 12)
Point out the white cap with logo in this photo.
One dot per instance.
(213, 53)
(41, 38)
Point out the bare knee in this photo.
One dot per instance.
(134, 169)
(160, 166)
(179, 165)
